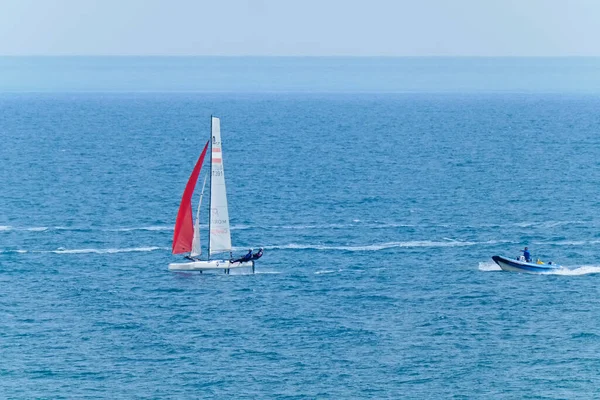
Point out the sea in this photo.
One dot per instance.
(379, 188)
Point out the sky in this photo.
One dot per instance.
(301, 27)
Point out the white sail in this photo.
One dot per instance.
(220, 235)
(196, 248)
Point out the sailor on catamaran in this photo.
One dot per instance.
(245, 258)
(258, 254)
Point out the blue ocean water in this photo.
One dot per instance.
(378, 214)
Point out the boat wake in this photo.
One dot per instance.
(14, 251)
(378, 246)
(575, 271)
(567, 271)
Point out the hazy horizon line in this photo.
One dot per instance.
(286, 56)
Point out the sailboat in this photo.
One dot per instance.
(186, 237)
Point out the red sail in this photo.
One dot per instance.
(184, 226)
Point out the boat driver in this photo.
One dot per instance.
(526, 254)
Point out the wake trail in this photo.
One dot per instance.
(576, 270)
(490, 266)
(379, 246)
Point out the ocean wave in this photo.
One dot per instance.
(567, 242)
(550, 224)
(355, 223)
(31, 228)
(116, 229)
(237, 227)
(87, 229)
(41, 228)
(142, 228)
(106, 251)
(372, 225)
(309, 226)
(71, 228)
(328, 271)
(61, 250)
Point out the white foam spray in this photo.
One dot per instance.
(490, 266)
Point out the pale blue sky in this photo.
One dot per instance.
(301, 27)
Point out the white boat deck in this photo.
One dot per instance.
(210, 265)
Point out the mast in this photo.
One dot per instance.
(210, 189)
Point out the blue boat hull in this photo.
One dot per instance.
(520, 266)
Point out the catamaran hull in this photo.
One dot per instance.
(520, 266)
(211, 265)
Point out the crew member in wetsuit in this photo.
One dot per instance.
(258, 254)
(247, 257)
